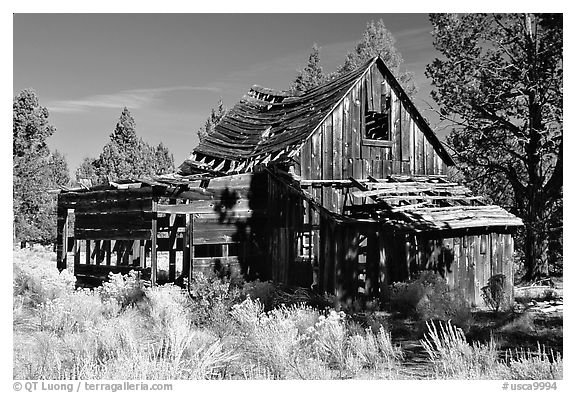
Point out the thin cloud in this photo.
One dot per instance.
(134, 99)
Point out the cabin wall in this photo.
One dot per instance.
(466, 262)
(339, 148)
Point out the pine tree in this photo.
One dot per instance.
(312, 75)
(216, 114)
(35, 171)
(499, 84)
(378, 41)
(125, 156)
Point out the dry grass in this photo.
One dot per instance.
(123, 330)
(454, 358)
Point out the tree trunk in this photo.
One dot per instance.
(535, 252)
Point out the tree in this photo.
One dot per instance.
(125, 156)
(58, 169)
(216, 115)
(163, 161)
(35, 170)
(378, 41)
(87, 172)
(312, 75)
(499, 84)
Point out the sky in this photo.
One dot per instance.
(169, 70)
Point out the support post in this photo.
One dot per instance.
(61, 236)
(190, 240)
(172, 241)
(76, 253)
(88, 252)
(108, 251)
(153, 252)
(383, 278)
(372, 265)
(142, 254)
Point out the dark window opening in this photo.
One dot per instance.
(378, 123)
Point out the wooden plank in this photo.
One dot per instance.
(153, 252)
(207, 265)
(367, 85)
(456, 263)
(448, 260)
(186, 247)
(376, 85)
(112, 234)
(347, 157)
(419, 154)
(377, 168)
(87, 251)
(355, 114)
(125, 221)
(113, 206)
(142, 261)
(128, 244)
(429, 151)
(316, 168)
(405, 131)
(383, 269)
(306, 160)
(97, 252)
(372, 266)
(209, 206)
(61, 236)
(338, 160)
(363, 97)
(328, 149)
(172, 250)
(102, 271)
(396, 122)
(77, 247)
(190, 239)
(412, 152)
(98, 196)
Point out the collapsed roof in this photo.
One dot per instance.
(271, 126)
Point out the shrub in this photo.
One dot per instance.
(36, 279)
(125, 289)
(212, 298)
(493, 292)
(428, 297)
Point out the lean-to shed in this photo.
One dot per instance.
(342, 188)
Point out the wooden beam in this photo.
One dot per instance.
(383, 278)
(153, 251)
(190, 240)
(61, 236)
(142, 254)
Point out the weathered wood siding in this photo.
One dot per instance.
(338, 149)
(466, 262)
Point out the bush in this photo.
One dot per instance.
(36, 279)
(125, 289)
(428, 297)
(211, 298)
(493, 292)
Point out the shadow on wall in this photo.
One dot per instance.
(250, 230)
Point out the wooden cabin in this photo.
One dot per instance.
(343, 189)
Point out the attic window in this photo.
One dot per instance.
(378, 122)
